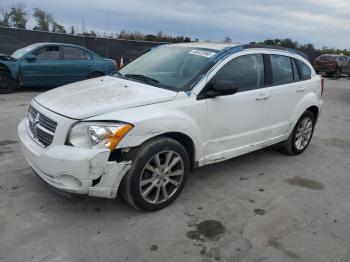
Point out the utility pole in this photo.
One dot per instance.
(83, 26)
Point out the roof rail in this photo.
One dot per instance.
(252, 46)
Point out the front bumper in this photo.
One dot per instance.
(73, 170)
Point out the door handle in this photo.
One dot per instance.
(55, 66)
(262, 97)
(300, 89)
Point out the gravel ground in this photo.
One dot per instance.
(264, 206)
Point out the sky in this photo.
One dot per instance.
(321, 22)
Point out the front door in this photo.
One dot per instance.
(236, 122)
(44, 70)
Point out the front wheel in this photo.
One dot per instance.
(158, 174)
(7, 83)
(301, 136)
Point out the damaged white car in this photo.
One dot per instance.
(175, 108)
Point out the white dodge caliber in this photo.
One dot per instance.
(173, 109)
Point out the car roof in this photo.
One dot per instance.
(208, 45)
(226, 47)
(50, 43)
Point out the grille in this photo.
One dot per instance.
(42, 129)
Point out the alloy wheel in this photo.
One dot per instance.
(304, 133)
(161, 177)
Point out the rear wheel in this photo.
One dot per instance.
(7, 83)
(301, 136)
(158, 174)
(337, 73)
(94, 75)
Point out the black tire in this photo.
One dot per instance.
(94, 75)
(289, 146)
(131, 184)
(7, 83)
(337, 73)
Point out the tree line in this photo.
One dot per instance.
(17, 16)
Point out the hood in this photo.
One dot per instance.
(6, 57)
(101, 95)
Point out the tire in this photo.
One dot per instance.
(291, 146)
(7, 83)
(150, 196)
(337, 73)
(94, 75)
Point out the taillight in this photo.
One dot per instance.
(115, 64)
(322, 86)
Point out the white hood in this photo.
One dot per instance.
(101, 95)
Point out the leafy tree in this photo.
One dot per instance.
(57, 28)
(4, 18)
(43, 20)
(288, 43)
(227, 40)
(18, 16)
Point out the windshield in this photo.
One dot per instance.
(172, 67)
(21, 52)
(327, 58)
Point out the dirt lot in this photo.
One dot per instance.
(264, 206)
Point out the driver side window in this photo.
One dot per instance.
(48, 53)
(245, 72)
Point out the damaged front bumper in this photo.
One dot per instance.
(74, 170)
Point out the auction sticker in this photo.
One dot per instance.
(204, 53)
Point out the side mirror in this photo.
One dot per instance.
(220, 88)
(30, 57)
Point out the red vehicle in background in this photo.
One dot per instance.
(332, 65)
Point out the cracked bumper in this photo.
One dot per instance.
(73, 169)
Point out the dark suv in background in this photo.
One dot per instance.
(332, 65)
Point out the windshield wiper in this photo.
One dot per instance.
(143, 78)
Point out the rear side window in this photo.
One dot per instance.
(304, 70)
(48, 53)
(73, 53)
(282, 70)
(245, 72)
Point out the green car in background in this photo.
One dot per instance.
(49, 65)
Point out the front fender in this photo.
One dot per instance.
(13, 68)
(153, 120)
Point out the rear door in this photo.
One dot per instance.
(44, 70)
(76, 64)
(289, 86)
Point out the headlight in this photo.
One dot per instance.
(98, 135)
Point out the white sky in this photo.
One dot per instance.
(321, 22)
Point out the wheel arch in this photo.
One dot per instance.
(186, 141)
(12, 69)
(315, 110)
(309, 102)
(4, 68)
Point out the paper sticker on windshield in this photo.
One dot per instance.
(204, 53)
